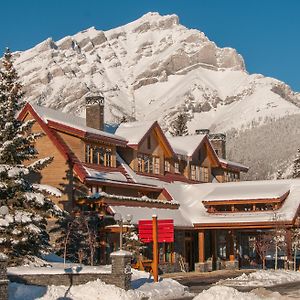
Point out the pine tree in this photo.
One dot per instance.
(24, 207)
(179, 125)
(296, 165)
(133, 244)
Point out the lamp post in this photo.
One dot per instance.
(121, 221)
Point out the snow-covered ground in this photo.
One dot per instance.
(229, 293)
(142, 287)
(262, 278)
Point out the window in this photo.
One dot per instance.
(98, 155)
(193, 172)
(167, 166)
(149, 142)
(145, 163)
(156, 163)
(176, 167)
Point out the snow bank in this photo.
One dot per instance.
(229, 293)
(262, 278)
(226, 293)
(142, 285)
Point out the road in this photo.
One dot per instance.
(199, 282)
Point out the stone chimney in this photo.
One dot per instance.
(202, 131)
(95, 112)
(218, 141)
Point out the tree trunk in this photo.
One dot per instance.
(264, 263)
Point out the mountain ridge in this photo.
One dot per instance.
(152, 69)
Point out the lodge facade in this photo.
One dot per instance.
(138, 170)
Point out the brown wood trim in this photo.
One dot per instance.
(241, 225)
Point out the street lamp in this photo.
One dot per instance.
(121, 220)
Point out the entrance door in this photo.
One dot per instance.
(189, 251)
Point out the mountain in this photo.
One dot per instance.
(153, 68)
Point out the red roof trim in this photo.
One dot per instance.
(233, 167)
(85, 134)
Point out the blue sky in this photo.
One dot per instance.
(265, 32)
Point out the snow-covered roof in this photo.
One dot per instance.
(105, 175)
(190, 198)
(232, 164)
(146, 213)
(133, 132)
(48, 114)
(185, 145)
(256, 190)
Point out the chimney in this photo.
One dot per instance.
(218, 141)
(202, 131)
(95, 112)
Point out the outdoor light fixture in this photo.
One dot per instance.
(120, 220)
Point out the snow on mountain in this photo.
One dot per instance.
(150, 69)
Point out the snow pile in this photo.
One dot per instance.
(98, 290)
(224, 293)
(229, 293)
(263, 278)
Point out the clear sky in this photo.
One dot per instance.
(265, 32)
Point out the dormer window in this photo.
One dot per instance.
(98, 155)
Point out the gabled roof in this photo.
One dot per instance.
(72, 124)
(186, 145)
(136, 132)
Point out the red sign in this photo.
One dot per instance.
(165, 231)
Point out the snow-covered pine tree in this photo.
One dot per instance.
(24, 207)
(178, 126)
(296, 165)
(132, 243)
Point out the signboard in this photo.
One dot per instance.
(165, 231)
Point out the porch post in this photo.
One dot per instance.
(289, 249)
(201, 246)
(232, 263)
(214, 249)
(201, 266)
(231, 246)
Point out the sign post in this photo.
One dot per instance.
(155, 248)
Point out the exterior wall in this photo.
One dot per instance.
(55, 174)
(75, 144)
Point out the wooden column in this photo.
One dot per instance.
(289, 244)
(201, 246)
(155, 248)
(231, 245)
(214, 246)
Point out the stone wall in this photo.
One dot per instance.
(3, 277)
(120, 275)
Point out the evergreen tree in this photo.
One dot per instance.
(133, 244)
(24, 208)
(178, 126)
(296, 165)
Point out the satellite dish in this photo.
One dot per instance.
(3, 210)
